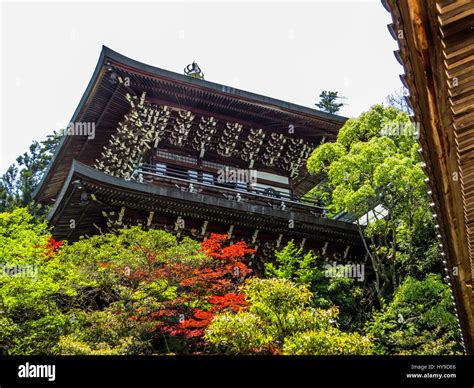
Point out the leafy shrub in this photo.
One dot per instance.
(419, 320)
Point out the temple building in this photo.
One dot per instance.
(436, 49)
(154, 148)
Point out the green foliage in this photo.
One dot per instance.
(31, 302)
(327, 289)
(119, 293)
(106, 332)
(240, 333)
(326, 343)
(328, 102)
(79, 300)
(108, 295)
(291, 264)
(323, 156)
(371, 124)
(374, 163)
(419, 320)
(122, 289)
(21, 240)
(279, 314)
(20, 180)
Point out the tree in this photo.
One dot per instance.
(145, 292)
(419, 320)
(398, 99)
(20, 180)
(328, 289)
(8, 188)
(34, 287)
(206, 289)
(374, 162)
(152, 293)
(278, 320)
(135, 292)
(328, 102)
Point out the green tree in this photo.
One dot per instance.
(398, 99)
(83, 297)
(279, 319)
(134, 292)
(328, 102)
(20, 180)
(149, 292)
(419, 320)
(35, 287)
(327, 288)
(374, 165)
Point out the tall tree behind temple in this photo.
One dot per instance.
(375, 160)
(398, 99)
(328, 102)
(19, 181)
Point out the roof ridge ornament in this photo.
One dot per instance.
(193, 70)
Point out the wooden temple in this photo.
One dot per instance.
(436, 48)
(159, 149)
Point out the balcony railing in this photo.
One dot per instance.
(208, 183)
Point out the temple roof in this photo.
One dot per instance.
(104, 104)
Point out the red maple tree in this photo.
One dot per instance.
(203, 291)
(214, 285)
(52, 246)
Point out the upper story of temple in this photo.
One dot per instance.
(153, 147)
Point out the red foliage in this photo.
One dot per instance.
(52, 247)
(233, 301)
(213, 247)
(217, 284)
(212, 287)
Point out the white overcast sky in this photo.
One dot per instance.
(286, 50)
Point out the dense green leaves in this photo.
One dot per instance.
(146, 292)
(134, 292)
(327, 343)
(279, 319)
(328, 288)
(419, 320)
(373, 170)
(20, 180)
(328, 102)
(32, 300)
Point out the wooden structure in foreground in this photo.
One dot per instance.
(166, 152)
(436, 41)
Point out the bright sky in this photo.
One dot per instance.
(286, 50)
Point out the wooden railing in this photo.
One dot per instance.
(208, 183)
